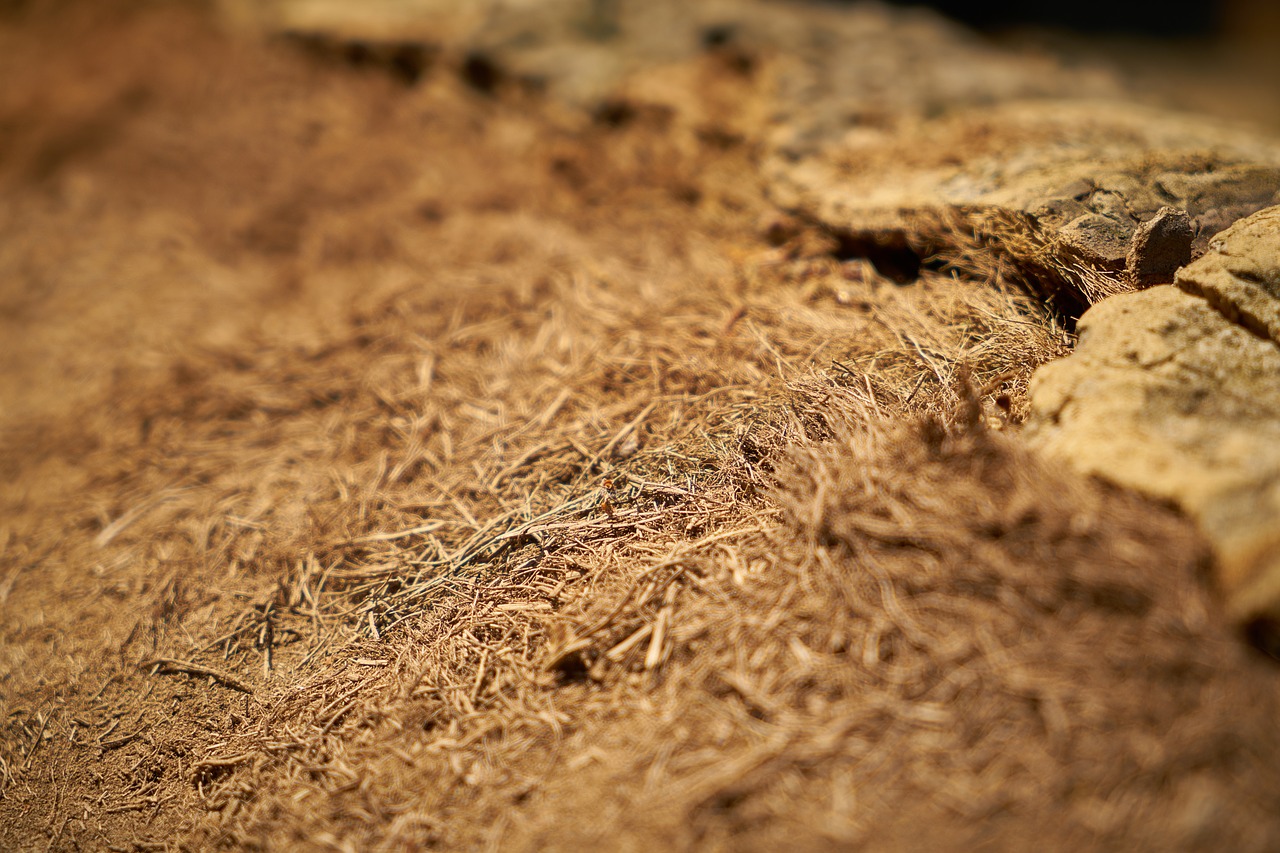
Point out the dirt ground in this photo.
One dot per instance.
(407, 460)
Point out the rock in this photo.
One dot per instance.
(1059, 187)
(1160, 247)
(1240, 274)
(1175, 392)
(979, 158)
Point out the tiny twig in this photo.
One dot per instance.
(914, 390)
(624, 432)
(35, 744)
(171, 665)
(216, 763)
(871, 392)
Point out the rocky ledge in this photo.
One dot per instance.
(1175, 391)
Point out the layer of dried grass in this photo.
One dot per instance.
(651, 451)
(943, 644)
(937, 640)
(534, 498)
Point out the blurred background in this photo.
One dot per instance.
(1248, 20)
(1244, 20)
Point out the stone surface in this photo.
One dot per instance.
(1240, 274)
(975, 152)
(1160, 247)
(1059, 186)
(1168, 394)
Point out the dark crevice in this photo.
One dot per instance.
(889, 253)
(718, 35)
(481, 73)
(1263, 633)
(409, 62)
(1250, 276)
(614, 112)
(405, 61)
(899, 258)
(1230, 312)
(1062, 299)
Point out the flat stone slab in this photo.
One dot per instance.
(1175, 392)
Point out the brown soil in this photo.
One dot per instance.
(391, 466)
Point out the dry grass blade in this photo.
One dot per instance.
(170, 665)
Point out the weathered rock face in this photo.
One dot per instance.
(1160, 247)
(1240, 275)
(1059, 185)
(896, 129)
(902, 130)
(1175, 392)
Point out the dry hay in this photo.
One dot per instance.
(534, 499)
(943, 643)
